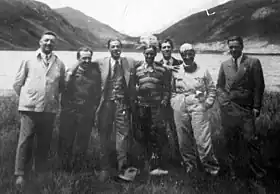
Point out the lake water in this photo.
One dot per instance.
(10, 61)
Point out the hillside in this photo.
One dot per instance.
(98, 29)
(258, 21)
(23, 21)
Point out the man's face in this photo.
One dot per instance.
(166, 50)
(85, 57)
(235, 49)
(150, 55)
(47, 43)
(188, 56)
(115, 49)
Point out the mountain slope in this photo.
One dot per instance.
(98, 29)
(23, 21)
(258, 21)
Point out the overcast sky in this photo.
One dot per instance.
(136, 17)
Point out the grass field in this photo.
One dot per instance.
(176, 182)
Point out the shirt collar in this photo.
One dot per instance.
(170, 61)
(40, 54)
(113, 61)
(146, 65)
(238, 59)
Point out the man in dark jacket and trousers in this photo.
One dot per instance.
(79, 102)
(172, 64)
(240, 88)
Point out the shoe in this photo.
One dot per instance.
(103, 176)
(129, 174)
(232, 175)
(158, 172)
(213, 173)
(189, 169)
(20, 182)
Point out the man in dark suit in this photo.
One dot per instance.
(112, 115)
(240, 88)
(166, 47)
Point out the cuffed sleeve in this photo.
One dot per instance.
(167, 85)
(62, 82)
(259, 85)
(210, 88)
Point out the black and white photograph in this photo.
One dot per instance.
(144, 97)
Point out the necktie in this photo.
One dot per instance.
(235, 65)
(115, 68)
(46, 60)
(168, 63)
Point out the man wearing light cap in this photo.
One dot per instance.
(193, 93)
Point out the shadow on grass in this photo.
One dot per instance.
(176, 182)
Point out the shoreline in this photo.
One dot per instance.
(217, 52)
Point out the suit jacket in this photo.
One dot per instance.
(176, 62)
(104, 65)
(244, 87)
(168, 111)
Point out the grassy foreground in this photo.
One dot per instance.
(176, 182)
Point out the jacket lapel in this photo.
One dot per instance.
(105, 72)
(125, 67)
(241, 69)
(52, 61)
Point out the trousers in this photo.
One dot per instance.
(74, 135)
(114, 126)
(242, 146)
(152, 126)
(39, 125)
(194, 137)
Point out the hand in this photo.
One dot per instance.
(172, 68)
(164, 103)
(207, 105)
(256, 112)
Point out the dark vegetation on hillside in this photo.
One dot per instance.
(255, 20)
(268, 128)
(98, 29)
(23, 21)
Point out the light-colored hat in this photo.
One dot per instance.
(186, 47)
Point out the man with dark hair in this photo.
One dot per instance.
(166, 47)
(78, 105)
(172, 64)
(152, 82)
(240, 88)
(110, 40)
(38, 83)
(113, 113)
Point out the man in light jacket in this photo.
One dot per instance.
(38, 83)
(193, 93)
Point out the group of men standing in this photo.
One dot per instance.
(123, 97)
